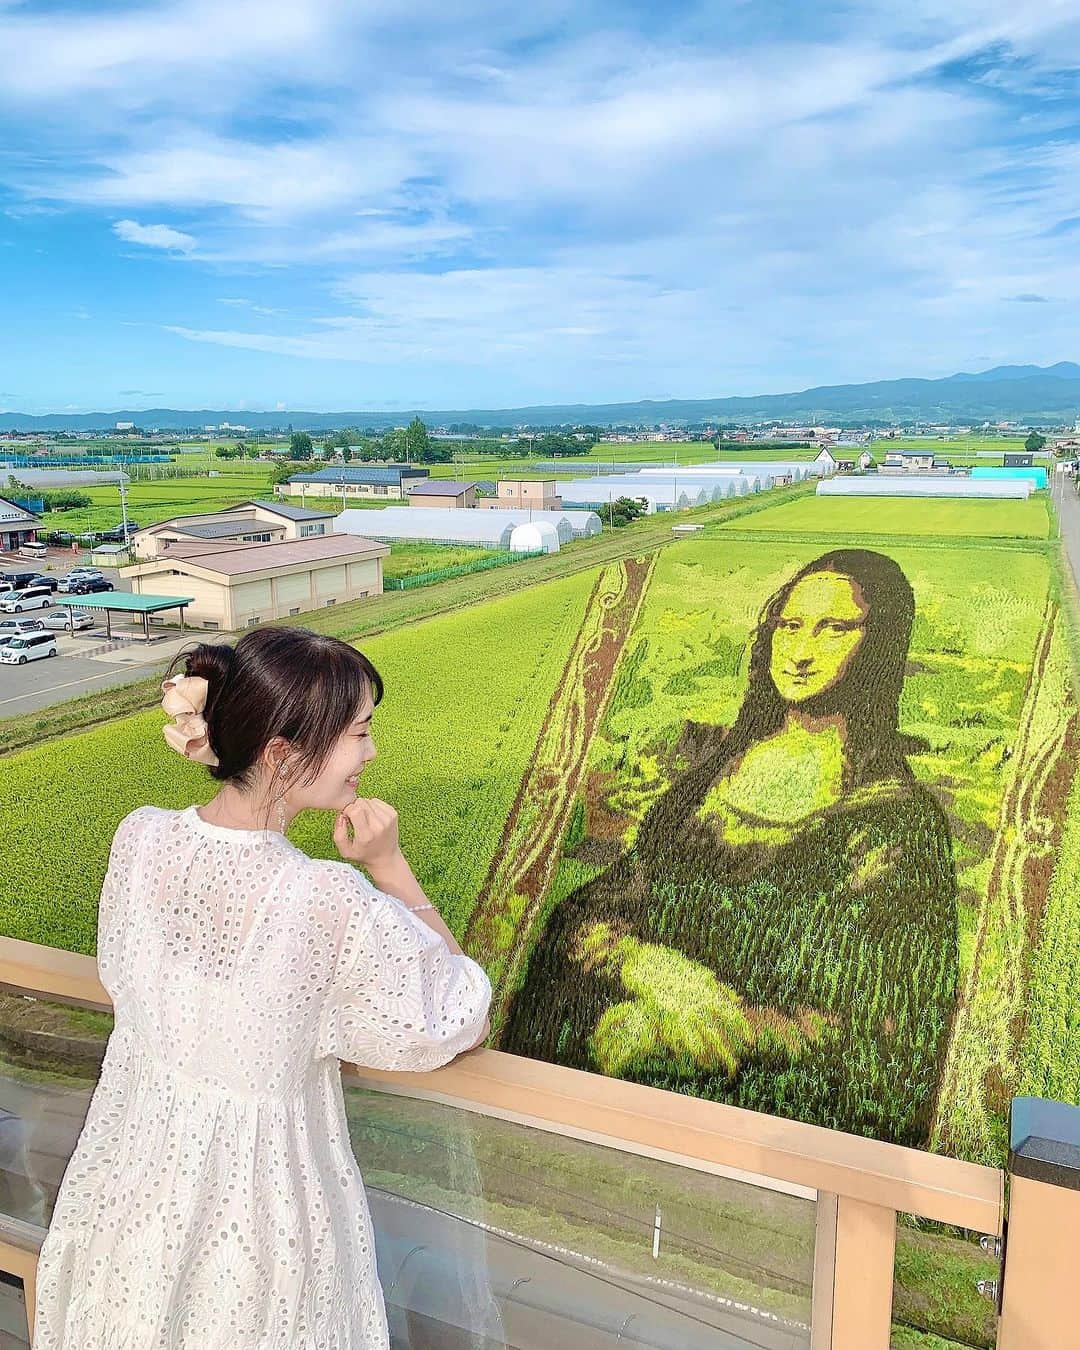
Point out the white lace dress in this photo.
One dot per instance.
(213, 1201)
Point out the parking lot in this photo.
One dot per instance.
(86, 660)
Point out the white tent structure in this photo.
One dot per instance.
(428, 525)
(657, 495)
(762, 468)
(536, 536)
(568, 529)
(915, 485)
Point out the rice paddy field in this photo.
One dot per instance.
(935, 518)
(860, 909)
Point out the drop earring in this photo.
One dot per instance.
(281, 800)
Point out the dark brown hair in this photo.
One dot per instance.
(288, 682)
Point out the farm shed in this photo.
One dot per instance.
(911, 485)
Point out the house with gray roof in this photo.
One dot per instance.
(353, 480)
(251, 522)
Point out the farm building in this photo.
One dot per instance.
(353, 480)
(253, 522)
(442, 492)
(912, 485)
(237, 585)
(914, 461)
(541, 494)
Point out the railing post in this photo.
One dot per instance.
(854, 1258)
(1040, 1305)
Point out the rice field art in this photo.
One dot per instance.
(803, 864)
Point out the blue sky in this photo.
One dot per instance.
(332, 205)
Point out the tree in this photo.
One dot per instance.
(346, 453)
(300, 445)
(1034, 442)
(625, 509)
(417, 440)
(252, 451)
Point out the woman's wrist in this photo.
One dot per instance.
(391, 868)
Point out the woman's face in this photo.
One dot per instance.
(816, 635)
(335, 786)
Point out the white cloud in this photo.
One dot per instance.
(154, 236)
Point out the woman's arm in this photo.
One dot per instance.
(397, 878)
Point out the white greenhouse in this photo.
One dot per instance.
(915, 485)
(427, 525)
(535, 536)
(658, 496)
(762, 468)
(559, 519)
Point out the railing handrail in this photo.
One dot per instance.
(696, 1133)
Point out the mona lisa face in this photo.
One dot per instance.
(818, 632)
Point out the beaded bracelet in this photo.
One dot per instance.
(413, 909)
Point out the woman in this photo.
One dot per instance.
(782, 935)
(212, 1201)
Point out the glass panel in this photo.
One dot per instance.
(937, 1303)
(507, 1235)
(14, 1333)
(490, 1235)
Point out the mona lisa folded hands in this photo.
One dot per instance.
(679, 1014)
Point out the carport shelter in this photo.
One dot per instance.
(127, 603)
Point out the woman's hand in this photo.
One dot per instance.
(366, 832)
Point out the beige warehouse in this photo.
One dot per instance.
(239, 585)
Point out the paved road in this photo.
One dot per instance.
(1067, 504)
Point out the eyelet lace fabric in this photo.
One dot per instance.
(213, 1201)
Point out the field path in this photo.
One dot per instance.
(981, 1060)
(513, 893)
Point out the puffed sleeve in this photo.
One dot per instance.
(401, 999)
(115, 897)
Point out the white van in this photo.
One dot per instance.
(33, 551)
(30, 647)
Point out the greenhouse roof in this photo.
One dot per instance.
(447, 525)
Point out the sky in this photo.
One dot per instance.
(401, 204)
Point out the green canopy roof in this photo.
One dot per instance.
(125, 600)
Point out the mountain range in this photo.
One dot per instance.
(1037, 395)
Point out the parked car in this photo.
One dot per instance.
(31, 597)
(89, 585)
(33, 551)
(18, 579)
(42, 580)
(78, 574)
(10, 628)
(66, 620)
(32, 647)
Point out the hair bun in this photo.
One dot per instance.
(214, 662)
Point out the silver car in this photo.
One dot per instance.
(72, 621)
